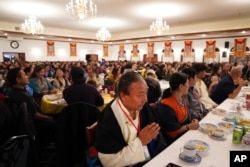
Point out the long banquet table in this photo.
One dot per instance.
(219, 153)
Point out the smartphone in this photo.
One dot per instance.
(172, 165)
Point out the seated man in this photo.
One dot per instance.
(196, 108)
(79, 91)
(226, 87)
(201, 87)
(154, 88)
(127, 125)
(45, 125)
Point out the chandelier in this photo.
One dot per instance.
(32, 26)
(159, 26)
(81, 9)
(103, 34)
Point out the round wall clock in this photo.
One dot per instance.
(14, 44)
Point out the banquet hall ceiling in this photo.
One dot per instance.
(129, 19)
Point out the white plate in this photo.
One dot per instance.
(201, 146)
(196, 158)
(219, 111)
(227, 126)
(207, 127)
(51, 97)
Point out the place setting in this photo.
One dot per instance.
(207, 127)
(189, 153)
(217, 134)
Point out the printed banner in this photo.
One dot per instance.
(168, 49)
(135, 51)
(188, 49)
(50, 48)
(121, 53)
(240, 47)
(150, 49)
(105, 51)
(210, 49)
(72, 48)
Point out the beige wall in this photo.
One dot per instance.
(35, 50)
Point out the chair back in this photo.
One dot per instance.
(19, 122)
(71, 140)
(152, 93)
(14, 152)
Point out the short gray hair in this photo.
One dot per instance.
(125, 81)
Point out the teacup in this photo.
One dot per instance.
(189, 150)
(218, 132)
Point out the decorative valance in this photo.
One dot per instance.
(167, 49)
(50, 48)
(72, 49)
(210, 49)
(240, 47)
(188, 49)
(105, 51)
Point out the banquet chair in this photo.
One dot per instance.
(14, 152)
(71, 138)
(20, 123)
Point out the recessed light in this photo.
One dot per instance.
(243, 32)
(203, 35)
(172, 37)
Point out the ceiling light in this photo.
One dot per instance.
(103, 34)
(32, 26)
(81, 9)
(159, 26)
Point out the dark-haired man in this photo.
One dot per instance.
(201, 87)
(45, 125)
(79, 91)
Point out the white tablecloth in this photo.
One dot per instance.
(219, 153)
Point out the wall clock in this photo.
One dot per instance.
(14, 44)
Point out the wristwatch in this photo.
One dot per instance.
(14, 44)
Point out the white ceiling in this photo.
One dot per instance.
(130, 19)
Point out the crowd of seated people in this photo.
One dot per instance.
(193, 92)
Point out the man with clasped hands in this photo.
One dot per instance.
(127, 128)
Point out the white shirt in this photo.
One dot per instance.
(133, 152)
(203, 93)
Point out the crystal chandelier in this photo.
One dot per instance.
(103, 34)
(32, 26)
(81, 9)
(159, 26)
